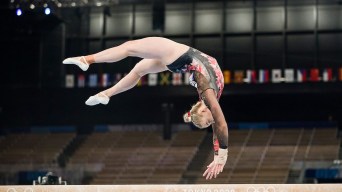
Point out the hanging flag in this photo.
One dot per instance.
(226, 75)
(176, 78)
(301, 75)
(81, 81)
(248, 77)
(186, 78)
(105, 80)
(314, 74)
(340, 74)
(117, 78)
(238, 76)
(165, 78)
(92, 80)
(289, 75)
(327, 75)
(69, 81)
(276, 76)
(152, 79)
(254, 76)
(263, 76)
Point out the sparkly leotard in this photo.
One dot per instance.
(194, 60)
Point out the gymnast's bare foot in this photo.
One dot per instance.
(97, 99)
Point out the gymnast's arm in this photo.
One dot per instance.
(220, 136)
(220, 126)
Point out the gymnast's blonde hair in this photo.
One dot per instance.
(195, 116)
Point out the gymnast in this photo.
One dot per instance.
(160, 54)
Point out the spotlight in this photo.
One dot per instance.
(19, 12)
(47, 11)
(32, 6)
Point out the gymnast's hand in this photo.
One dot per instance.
(216, 167)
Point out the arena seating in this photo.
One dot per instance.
(139, 157)
(33, 148)
(265, 156)
(144, 157)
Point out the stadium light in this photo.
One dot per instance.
(19, 12)
(47, 11)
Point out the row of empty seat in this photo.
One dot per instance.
(126, 157)
(138, 157)
(265, 156)
(33, 148)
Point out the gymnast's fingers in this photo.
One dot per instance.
(207, 171)
(221, 168)
(218, 169)
(209, 176)
(213, 171)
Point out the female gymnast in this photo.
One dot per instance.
(161, 54)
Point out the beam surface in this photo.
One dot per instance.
(177, 188)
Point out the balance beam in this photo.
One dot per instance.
(177, 188)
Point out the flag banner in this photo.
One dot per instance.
(327, 75)
(69, 81)
(81, 81)
(238, 76)
(289, 75)
(340, 74)
(276, 76)
(105, 80)
(116, 78)
(227, 76)
(152, 79)
(186, 78)
(165, 78)
(176, 78)
(248, 77)
(254, 76)
(142, 81)
(93, 80)
(301, 75)
(314, 75)
(263, 76)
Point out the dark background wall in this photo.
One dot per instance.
(240, 34)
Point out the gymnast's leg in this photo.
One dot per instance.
(147, 48)
(109, 55)
(142, 68)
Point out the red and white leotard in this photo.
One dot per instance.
(194, 60)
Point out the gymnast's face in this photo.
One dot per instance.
(201, 116)
(207, 118)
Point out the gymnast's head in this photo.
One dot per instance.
(199, 115)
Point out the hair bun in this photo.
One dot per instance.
(187, 117)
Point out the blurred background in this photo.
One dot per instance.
(282, 65)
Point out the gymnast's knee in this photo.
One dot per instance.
(137, 73)
(130, 47)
